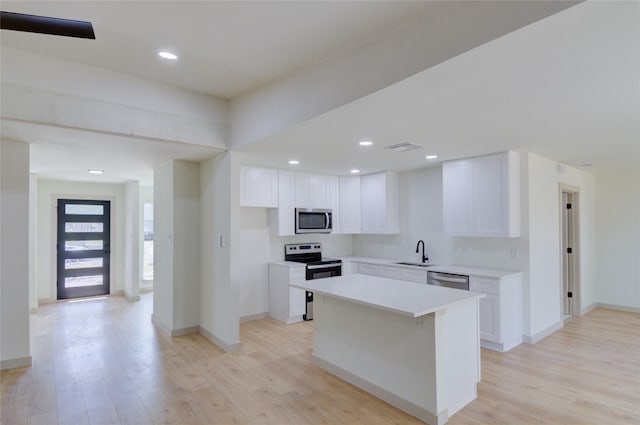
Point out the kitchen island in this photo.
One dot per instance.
(413, 345)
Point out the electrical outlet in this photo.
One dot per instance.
(467, 248)
(515, 253)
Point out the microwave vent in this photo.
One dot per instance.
(402, 147)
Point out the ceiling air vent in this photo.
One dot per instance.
(402, 147)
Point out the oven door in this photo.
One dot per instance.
(313, 220)
(322, 271)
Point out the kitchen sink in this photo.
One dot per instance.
(415, 264)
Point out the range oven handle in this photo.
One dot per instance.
(324, 266)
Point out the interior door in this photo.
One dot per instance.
(83, 248)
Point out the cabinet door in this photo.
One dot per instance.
(302, 198)
(258, 187)
(319, 191)
(349, 205)
(379, 206)
(489, 195)
(282, 218)
(490, 318)
(457, 194)
(297, 302)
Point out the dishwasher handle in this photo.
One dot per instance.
(450, 278)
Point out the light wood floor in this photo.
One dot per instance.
(102, 362)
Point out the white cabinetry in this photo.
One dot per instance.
(379, 203)
(286, 304)
(349, 205)
(258, 187)
(500, 310)
(282, 218)
(481, 196)
(312, 190)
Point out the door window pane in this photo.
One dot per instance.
(82, 263)
(83, 209)
(76, 282)
(83, 227)
(82, 245)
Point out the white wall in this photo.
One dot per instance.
(219, 319)
(33, 234)
(186, 244)
(420, 218)
(133, 242)
(163, 245)
(146, 197)
(14, 255)
(49, 191)
(618, 238)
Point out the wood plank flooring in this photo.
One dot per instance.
(102, 362)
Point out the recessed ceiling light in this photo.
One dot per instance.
(431, 156)
(366, 143)
(95, 171)
(167, 55)
(294, 162)
(354, 171)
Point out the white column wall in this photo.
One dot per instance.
(133, 242)
(163, 246)
(219, 319)
(33, 248)
(14, 255)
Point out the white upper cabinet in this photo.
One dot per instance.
(481, 196)
(379, 203)
(312, 191)
(282, 218)
(258, 187)
(349, 205)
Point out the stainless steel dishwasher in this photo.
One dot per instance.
(448, 280)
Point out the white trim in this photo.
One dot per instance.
(393, 399)
(229, 348)
(617, 307)
(251, 317)
(544, 333)
(163, 327)
(588, 309)
(15, 363)
(133, 298)
(33, 310)
(185, 331)
(495, 346)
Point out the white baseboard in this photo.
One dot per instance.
(15, 363)
(33, 310)
(133, 298)
(626, 308)
(185, 331)
(145, 289)
(543, 334)
(393, 399)
(229, 348)
(162, 326)
(251, 317)
(588, 309)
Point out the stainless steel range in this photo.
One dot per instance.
(317, 266)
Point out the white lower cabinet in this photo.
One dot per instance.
(500, 310)
(399, 273)
(286, 304)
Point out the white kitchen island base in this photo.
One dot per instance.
(428, 366)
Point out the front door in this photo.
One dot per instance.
(83, 248)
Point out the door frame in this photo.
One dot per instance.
(575, 279)
(53, 287)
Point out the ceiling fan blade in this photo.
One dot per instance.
(46, 25)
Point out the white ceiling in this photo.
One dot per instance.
(565, 87)
(226, 48)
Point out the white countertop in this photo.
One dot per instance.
(398, 296)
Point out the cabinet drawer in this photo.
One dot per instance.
(484, 285)
(391, 273)
(369, 269)
(418, 276)
(298, 273)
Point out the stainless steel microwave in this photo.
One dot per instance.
(313, 220)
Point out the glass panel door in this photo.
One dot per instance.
(83, 248)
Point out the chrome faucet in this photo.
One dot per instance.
(424, 257)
